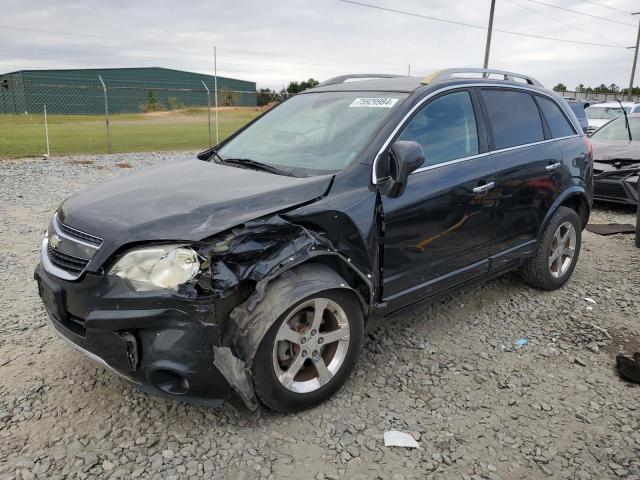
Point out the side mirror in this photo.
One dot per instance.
(403, 159)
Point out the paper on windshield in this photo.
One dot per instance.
(373, 102)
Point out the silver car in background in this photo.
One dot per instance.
(601, 113)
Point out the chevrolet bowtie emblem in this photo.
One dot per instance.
(54, 241)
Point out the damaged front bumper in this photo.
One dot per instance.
(164, 343)
(612, 184)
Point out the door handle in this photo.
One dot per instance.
(482, 189)
(553, 167)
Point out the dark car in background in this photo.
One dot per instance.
(257, 267)
(578, 107)
(616, 161)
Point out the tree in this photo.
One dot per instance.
(266, 96)
(152, 104)
(580, 88)
(561, 87)
(228, 97)
(295, 87)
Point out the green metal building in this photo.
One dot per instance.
(129, 90)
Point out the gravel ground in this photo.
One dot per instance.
(450, 373)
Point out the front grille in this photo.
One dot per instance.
(609, 190)
(66, 251)
(72, 232)
(615, 175)
(66, 262)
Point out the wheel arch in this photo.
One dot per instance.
(250, 321)
(574, 198)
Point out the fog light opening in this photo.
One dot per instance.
(169, 381)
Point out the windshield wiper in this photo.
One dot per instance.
(255, 165)
(626, 120)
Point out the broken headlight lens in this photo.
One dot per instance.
(162, 266)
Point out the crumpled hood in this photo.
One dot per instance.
(188, 200)
(623, 151)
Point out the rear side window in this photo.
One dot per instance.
(446, 129)
(558, 123)
(514, 117)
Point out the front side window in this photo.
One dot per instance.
(514, 117)
(617, 130)
(446, 129)
(314, 133)
(558, 123)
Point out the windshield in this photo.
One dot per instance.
(604, 113)
(617, 130)
(314, 133)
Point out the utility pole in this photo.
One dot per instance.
(215, 88)
(106, 114)
(487, 47)
(635, 60)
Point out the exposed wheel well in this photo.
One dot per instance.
(354, 280)
(579, 204)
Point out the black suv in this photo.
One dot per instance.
(257, 267)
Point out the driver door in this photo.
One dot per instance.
(438, 232)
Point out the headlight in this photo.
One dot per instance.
(163, 266)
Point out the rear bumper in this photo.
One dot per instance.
(163, 343)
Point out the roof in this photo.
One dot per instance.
(399, 83)
(394, 84)
(70, 73)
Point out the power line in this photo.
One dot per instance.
(191, 46)
(234, 52)
(557, 20)
(606, 6)
(102, 37)
(582, 13)
(470, 25)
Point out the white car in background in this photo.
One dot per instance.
(601, 113)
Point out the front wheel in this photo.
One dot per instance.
(557, 252)
(309, 352)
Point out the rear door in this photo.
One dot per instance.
(438, 232)
(528, 163)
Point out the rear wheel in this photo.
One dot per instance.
(557, 252)
(309, 352)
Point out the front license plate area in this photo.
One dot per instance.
(53, 298)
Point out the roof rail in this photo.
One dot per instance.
(447, 74)
(344, 78)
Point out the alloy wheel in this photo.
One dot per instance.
(311, 345)
(563, 249)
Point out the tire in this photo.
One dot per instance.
(545, 273)
(306, 391)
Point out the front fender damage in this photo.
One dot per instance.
(265, 267)
(234, 371)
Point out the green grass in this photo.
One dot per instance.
(24, 135)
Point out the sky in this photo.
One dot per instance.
(274, 42)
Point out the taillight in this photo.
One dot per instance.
(589, 146)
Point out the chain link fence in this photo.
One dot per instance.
(63, 118)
